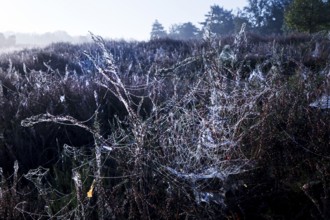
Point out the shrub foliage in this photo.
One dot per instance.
(223, 128)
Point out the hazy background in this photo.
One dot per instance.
(128, 19)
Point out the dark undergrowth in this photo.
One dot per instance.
(232, 128)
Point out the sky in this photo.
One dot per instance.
(115, 19)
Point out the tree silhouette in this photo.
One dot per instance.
(266, 16)
(184, 31)
(308, 15)
(219, 21)
(157, 31)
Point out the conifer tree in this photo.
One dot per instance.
(308, 15)
(219, 21)
(185, 31)
(157, 31)
(266, 16)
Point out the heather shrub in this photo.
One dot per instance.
(225, 128)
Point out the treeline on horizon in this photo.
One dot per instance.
(265, 17)
(11, 39)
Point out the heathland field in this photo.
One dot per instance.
(219, 128)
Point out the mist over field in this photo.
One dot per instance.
(224, 119)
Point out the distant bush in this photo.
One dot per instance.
(7, 41)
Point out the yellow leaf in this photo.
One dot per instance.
(90, 192)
